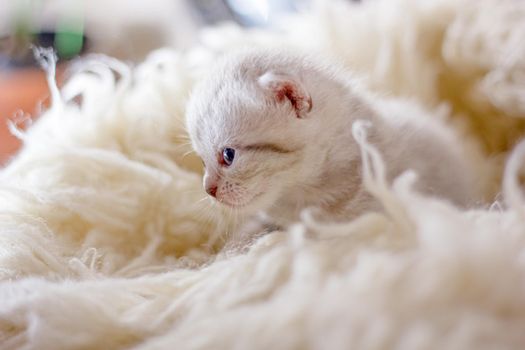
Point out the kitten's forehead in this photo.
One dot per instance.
(220, 108)
(229, 104)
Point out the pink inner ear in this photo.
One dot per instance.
(285, 88)
(286, 91)
(300, 102)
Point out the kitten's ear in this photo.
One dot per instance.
(285, 88)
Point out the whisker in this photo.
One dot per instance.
(179, 146)
(188, 153)
(202, 199)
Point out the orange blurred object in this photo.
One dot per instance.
(21, 90)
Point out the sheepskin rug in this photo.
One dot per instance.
(106, 241)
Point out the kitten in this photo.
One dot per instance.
(274, 130)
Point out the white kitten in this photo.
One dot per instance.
(275, 132)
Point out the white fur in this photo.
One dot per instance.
(104, 243)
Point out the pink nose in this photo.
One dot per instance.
(212, 190)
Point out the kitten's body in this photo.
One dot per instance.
(305, 109)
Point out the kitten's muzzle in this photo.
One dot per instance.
(210, 184)
(212, 190)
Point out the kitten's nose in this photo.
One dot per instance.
(212, 190)
(210, 183)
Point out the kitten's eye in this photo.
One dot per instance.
(227, 156)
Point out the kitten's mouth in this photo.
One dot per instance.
(240, 205)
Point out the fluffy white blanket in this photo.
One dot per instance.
(105, 242)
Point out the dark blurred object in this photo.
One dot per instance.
(212, 11)
(16, 51)
(247, 13)
(24, 30)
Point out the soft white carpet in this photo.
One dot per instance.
(105, 242)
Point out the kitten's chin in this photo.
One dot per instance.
(241, 205)
(254, 204)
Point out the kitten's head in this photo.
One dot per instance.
(248, 121)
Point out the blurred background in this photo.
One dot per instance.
(126, 29)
